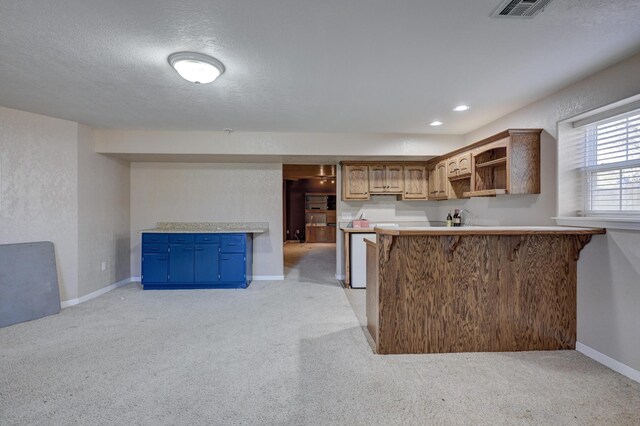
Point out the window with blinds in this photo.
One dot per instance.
(611, 171)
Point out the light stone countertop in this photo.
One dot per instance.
(489, 230)
(210, 227)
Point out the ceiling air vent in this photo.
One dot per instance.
(520, 8)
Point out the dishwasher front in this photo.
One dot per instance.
(359, 259)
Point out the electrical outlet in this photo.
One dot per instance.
(104, 265)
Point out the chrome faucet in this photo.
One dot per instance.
(470, 217)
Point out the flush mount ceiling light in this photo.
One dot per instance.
(461, 108)
(196, 67)
(436, 123)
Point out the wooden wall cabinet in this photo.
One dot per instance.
(438, 181)
(459, 166)
(416, 182)
(508, 165)
(386, 178)
(355, 182)
(407, 180)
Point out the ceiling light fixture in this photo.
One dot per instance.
(461, 108)
(196, 67)
(436, 123)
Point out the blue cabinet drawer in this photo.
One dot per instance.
(155, 248)
(155, 238)
(232, 243)
(207, 238)
(181, 238)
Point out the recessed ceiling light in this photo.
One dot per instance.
(196, 67)
(461, 108)
(436, 123)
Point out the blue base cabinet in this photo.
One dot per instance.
(187, 261)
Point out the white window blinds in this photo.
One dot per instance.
(611, 170)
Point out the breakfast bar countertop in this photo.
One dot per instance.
(489, 230)
(210, 227)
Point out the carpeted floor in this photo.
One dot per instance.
(288, 352)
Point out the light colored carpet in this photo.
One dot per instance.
(289, 352)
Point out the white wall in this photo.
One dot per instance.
(103, 217)
(205, 192)
(608, 272)
(273, 144)
(38, 188)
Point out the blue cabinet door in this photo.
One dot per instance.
(181, 263)
(206, 263)
(232, 267)
(154, 268)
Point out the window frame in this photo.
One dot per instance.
(571, 177)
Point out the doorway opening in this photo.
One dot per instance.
(309, 216)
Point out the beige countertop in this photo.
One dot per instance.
(347, 228)
(210, 227)
(489, 230)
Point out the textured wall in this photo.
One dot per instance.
(273, 144)
(608, 273)
(103, 217)
(38, 196)
(181, 192)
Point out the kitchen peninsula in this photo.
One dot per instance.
(473, 289)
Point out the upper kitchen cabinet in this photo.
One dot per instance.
(415, 182)
(386, 179)
(506, 163)
(459, 166)
(355, 182)
(438, 180)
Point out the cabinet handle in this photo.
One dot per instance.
(199, 248)
(188, 249)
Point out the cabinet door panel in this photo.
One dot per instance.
(376, 179)
(232, 267)
(464, 164)
(181, 263)
(206, 268)
(441, 179)
(394, 179)
(415, 182)
(452, 167)
(355, 182)
(154, 268)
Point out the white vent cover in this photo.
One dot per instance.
(520, 8)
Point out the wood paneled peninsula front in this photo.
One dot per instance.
(473, 289)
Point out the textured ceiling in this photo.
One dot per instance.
(303, 65)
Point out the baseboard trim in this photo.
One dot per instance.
(616, 366)
(268, 277)
(99, 292)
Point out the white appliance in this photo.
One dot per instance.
(359, 259)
